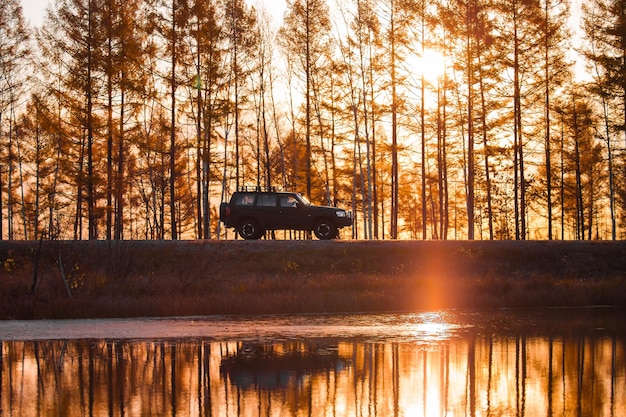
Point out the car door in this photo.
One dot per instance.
(292, 212)
(266, 205)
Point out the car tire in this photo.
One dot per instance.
(249, 229)
(325, 229)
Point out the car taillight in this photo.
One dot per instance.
(227, 212)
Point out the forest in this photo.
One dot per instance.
(440, 119)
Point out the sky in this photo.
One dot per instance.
(34, 9)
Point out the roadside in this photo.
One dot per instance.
(85, 279)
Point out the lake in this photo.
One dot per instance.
(544, 362)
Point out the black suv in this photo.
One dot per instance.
(252, 212)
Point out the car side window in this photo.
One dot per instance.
(244, 200)
(288, 201)
(267, 200)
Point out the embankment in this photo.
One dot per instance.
(82, 279)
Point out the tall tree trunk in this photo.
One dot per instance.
(119, 178)
(201, 209)
(546, 40)
(1, 200)
(20, 165)
(580, 212)
(91, 198)
(470, 132)
(173, 86)
(423, 127)
(308, 99)
(375, 214)
(52, 234)
(320, 123)
(109, 76)
(441, 164)
(590, 205)
(394, 131)
(562, 188)
(38, 176)
(266, 138)
(236, 77)
(445, 199)
(80, 183)
(368, 156)
(520, 209)
(483, 117)
(10, 185)
(283, 165)
(609, 147)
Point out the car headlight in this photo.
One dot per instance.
(341, 213)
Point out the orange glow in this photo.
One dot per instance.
(432, 64)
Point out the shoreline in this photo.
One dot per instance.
(123, 279)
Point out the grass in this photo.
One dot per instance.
(82, 279)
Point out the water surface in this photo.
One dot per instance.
(453, 363)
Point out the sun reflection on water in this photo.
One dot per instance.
(433, 327)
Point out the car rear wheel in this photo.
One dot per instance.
(249, 229)
(325, 229)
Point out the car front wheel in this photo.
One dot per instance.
(249, 229)
(325, 230)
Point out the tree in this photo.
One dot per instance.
(14, 50)
(40, 157)
(360, 68)
(521, 22)
(604, 24)
(240, 30)
(554, 38)
(171, 18)
(468, 22)
(397, 19)
(74, 28)
(583, 172)
(208, 80)
(305, 36)
(122, 64)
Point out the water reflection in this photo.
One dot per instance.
(571, 364)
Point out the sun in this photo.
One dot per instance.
(431, 64)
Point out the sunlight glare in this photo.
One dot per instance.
(432, 327)
(432, 64)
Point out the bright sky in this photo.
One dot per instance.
(34, 9)
(34, 12)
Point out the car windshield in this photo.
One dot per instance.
(304, 200)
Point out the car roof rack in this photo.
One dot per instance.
(257, 188)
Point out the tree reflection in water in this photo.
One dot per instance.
(540, 370)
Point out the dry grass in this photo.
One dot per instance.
(166, 278)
